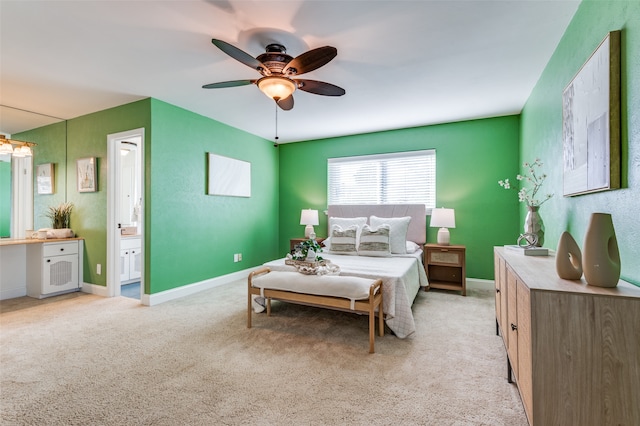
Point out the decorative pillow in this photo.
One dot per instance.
(398, 231)
(374, 242)
(327, 243)
(412, 247)
(345, 222)
(343, 241)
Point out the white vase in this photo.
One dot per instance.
(568, 258)
(533, 224)
(600, 255)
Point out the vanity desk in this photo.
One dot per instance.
(40, 268)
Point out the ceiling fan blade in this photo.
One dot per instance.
(311, 60)
(320, 87)
(233, 83)
(286, 103)
(241, 56)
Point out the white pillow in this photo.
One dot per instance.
(345, 222)
(374, 242)
(398, 227)
(412, 247)
(327, 243)
(343, 241)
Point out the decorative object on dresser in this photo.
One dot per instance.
(443, 218)
(568, 258)
(600, 255)
(574, 349)
(591, 124)
(445, 267)
(533, 222)
(309, 218)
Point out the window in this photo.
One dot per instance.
(397, 178)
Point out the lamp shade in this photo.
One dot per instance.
(443, 218)
(309, 217)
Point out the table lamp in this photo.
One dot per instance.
(443, 218)
(310, 218)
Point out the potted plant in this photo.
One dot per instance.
(61, 219)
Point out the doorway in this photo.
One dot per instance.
(125, 208)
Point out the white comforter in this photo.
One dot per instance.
(402, 277)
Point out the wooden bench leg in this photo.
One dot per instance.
(249, 307)
(372, 328)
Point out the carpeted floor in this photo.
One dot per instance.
(86, 360)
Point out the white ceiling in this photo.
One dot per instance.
(402, 63)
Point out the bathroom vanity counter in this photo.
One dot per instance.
(40, 268)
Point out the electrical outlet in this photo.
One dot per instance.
(239, 257)
(99, 269)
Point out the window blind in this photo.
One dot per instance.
(397, 178)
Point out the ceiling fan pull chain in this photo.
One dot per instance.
(276, 139)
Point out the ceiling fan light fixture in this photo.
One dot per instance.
(276, 87)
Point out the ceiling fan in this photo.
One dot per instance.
(278, 69)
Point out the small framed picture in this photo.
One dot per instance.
(45, 178)
(86, 169)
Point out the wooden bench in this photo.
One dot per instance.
(314, 290)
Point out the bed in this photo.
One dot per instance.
(402, 274)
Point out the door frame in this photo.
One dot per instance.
(113, 209)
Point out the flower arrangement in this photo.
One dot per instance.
(60, 215)
(530, 195)
(301, 250)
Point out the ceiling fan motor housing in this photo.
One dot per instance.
(275, 58)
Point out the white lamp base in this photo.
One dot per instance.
(308, 230)
(444, 237)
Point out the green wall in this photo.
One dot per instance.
(189, 236)
(471, 157)
(541, 129)
(193, 235)
(50, 148)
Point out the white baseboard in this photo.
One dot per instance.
(186, 290)
(99, 290)
(12, 293)
(189, 289)
(480, 284)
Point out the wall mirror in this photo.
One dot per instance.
(16, 196)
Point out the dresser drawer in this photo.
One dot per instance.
(58, 249)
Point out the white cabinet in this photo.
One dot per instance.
(54, 268)
(130, 259)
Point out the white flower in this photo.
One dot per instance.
(528, 195)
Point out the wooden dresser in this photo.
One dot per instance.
(574, 349)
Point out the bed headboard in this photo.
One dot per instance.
(417, 231)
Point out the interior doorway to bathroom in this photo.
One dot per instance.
(125, 205)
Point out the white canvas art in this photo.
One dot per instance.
(590, 109)
(228, 176)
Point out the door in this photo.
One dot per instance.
(125, 203)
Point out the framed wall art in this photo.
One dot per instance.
(86, 174)
(591, 122)
(45, 178)
(228, 176)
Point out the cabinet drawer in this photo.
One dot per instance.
(446, 257)
(58, 249)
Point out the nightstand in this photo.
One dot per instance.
(294, 241)
(445, 267)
